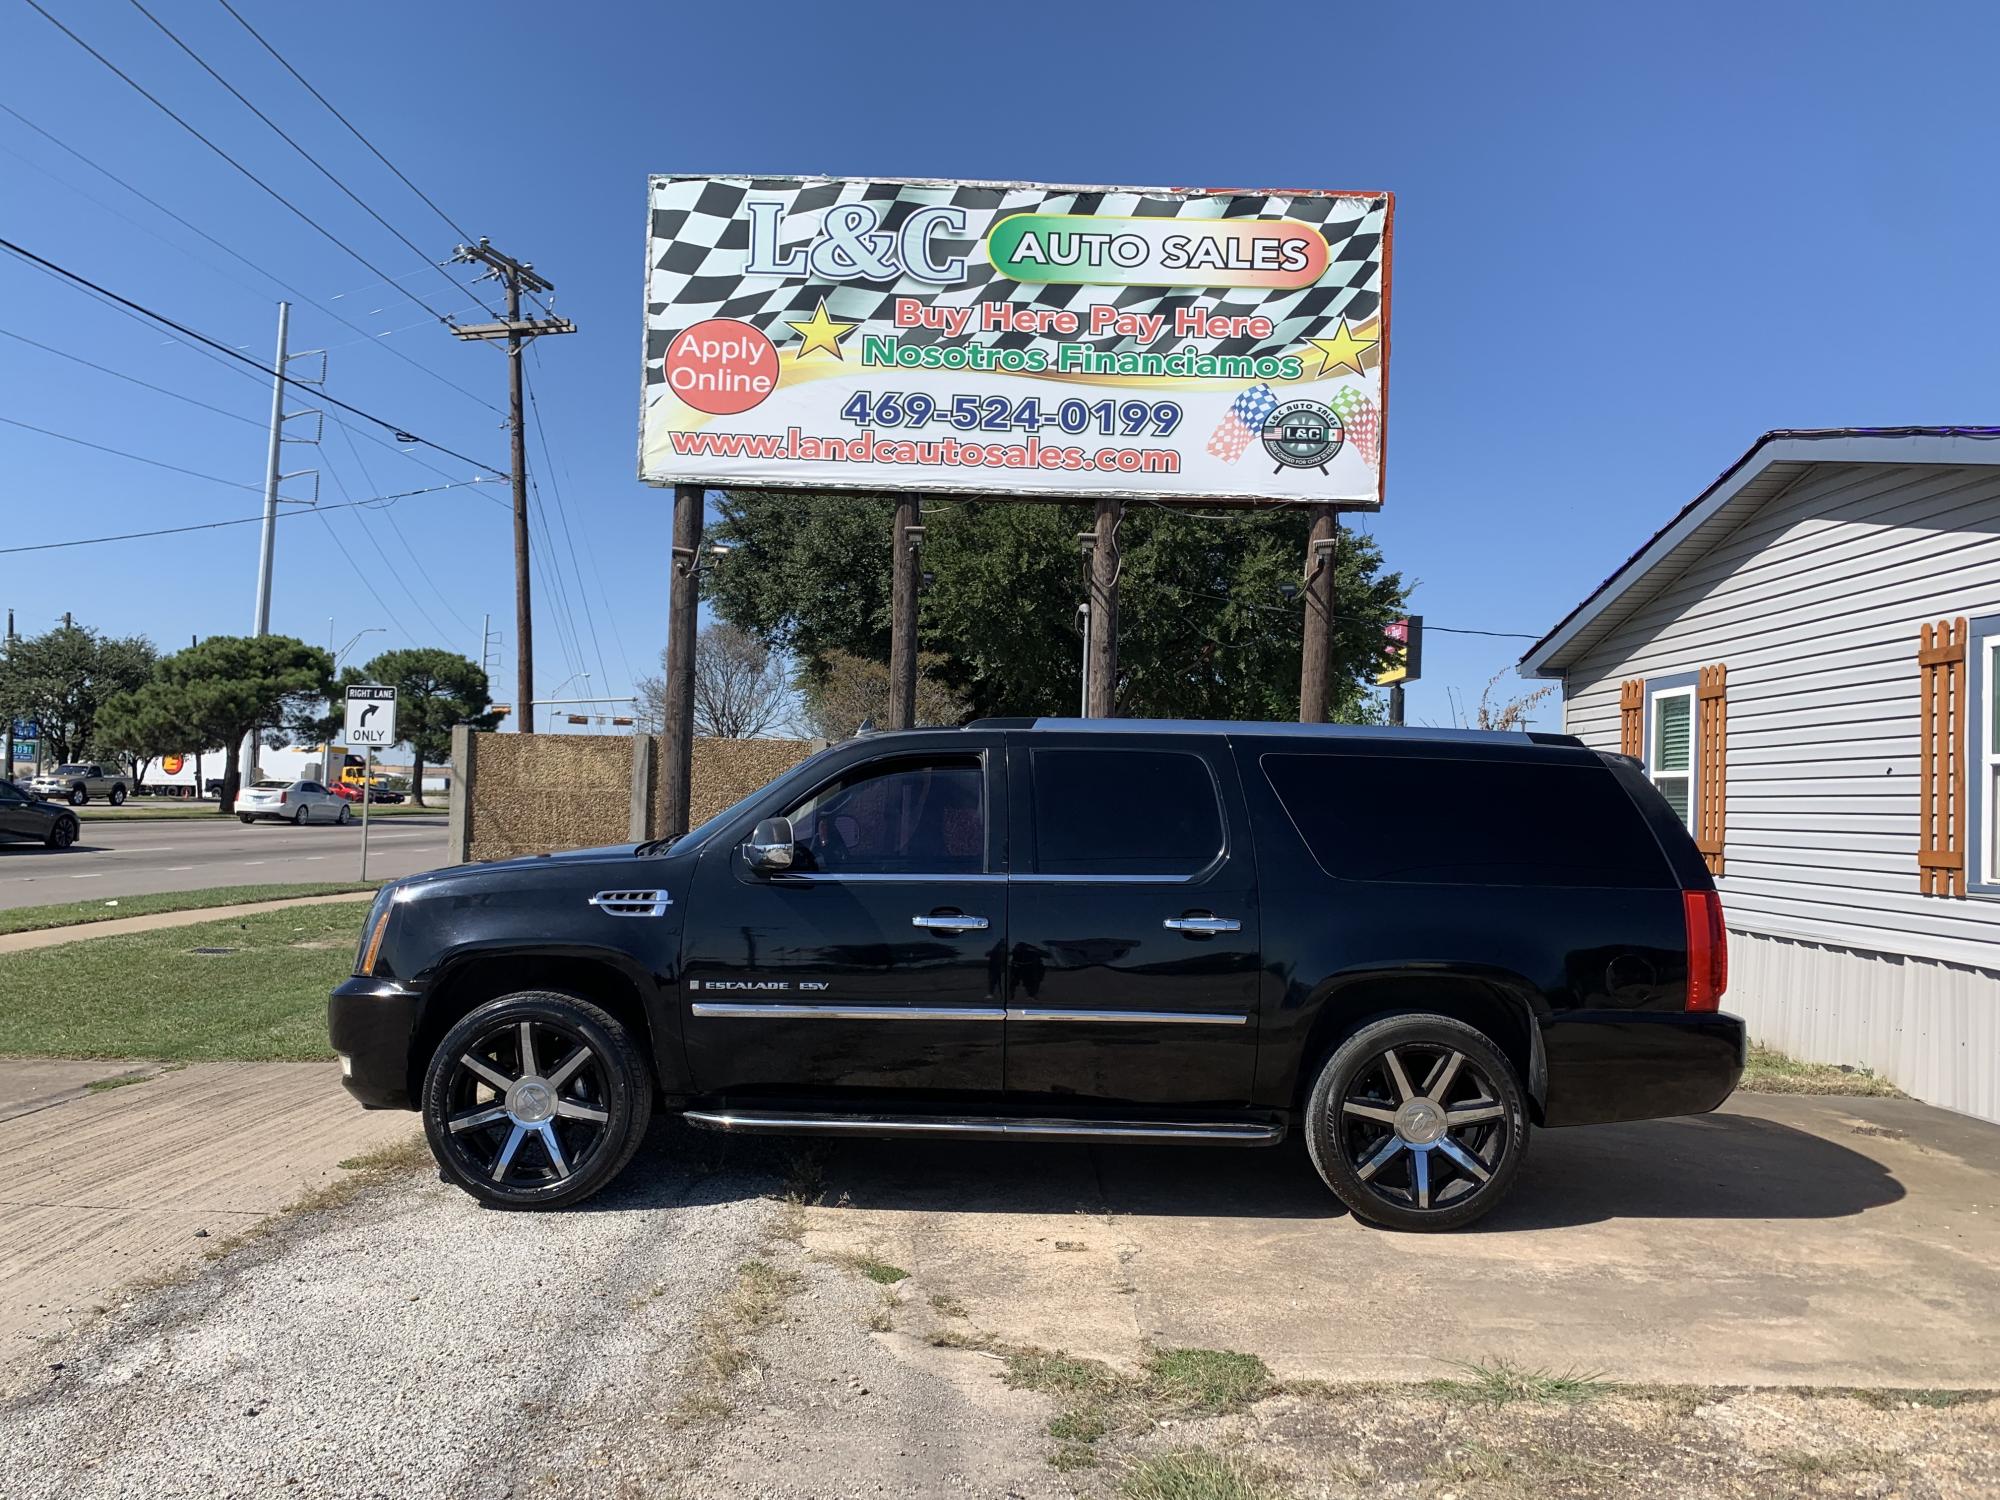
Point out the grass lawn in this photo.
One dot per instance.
(72, 913)
(1771, 1072)
(148, 994)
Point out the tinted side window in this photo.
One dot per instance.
(923, 818)
(1466, 822)
(1124, 812)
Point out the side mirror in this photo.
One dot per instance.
(771, 848)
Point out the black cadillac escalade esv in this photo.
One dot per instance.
(1410, 945)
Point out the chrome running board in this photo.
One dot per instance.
(992, 1128)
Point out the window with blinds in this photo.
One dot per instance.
(1671, 746)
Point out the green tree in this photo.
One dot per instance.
(435, 691)
(1206, 627)
(143, 725)
(229, 685)
(61, 678)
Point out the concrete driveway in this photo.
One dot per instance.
(1781, 1241)
(141, 1181)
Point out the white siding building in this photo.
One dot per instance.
(1765, 655)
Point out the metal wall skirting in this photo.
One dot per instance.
(1929, 1027)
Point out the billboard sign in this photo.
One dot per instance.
(1016, 339)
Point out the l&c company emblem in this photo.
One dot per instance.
(1303, 435)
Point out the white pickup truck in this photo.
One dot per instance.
(77, 784)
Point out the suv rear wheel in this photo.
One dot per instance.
(118, 796)
(536, 1100)
(1417, 1122)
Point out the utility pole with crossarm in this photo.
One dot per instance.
(517, 276)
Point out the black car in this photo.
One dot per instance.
(1409, 945)
(23, 815)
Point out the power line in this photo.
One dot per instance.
(562, 513)
(339, 421)
(326, 456)
(368, 479)
(130, 379)
(139, 458)
(366, 582)
(269, 275)
(603, 594)
(317, 165)
(222, 348)
(351, 127)
(154, 100)
(256, 520)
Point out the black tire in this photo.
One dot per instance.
(612, 1084)
(245, 819)
(345, 817)
(78, 796)
(299, 818)
(118, 796)
(62, 835)
(1423, 1170)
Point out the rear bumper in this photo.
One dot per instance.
(1606, 1066)
(371, 1023)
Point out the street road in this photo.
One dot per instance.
(128, 859)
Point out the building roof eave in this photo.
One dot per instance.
(1771, 464)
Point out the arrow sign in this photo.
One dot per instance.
(371, 716)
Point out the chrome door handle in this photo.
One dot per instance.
(950, 923)
(1202, 924)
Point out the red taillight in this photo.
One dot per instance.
(1707, 950)
(283, 798)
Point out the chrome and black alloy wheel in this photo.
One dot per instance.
(535, 1100)
(1417, 1122)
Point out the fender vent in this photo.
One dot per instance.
(632, 903)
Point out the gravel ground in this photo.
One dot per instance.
(673, 1340)
(407, 1344)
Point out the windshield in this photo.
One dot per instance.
(702, 831)
(69, 771)
(271, 786)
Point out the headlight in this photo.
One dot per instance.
(376, 929)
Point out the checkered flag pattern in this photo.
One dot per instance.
(1363, 421)
(700, 238)
(1242, 423)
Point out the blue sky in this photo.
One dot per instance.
(1629, 239)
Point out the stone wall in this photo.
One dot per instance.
(535, 793)
(518, 794)
(726, 771)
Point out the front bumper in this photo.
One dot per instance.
(1605, 1066)
(372, 1023)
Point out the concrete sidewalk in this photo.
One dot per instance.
(105, 1189)
(1781, 1241)
(49, 937)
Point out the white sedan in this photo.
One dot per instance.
(291, 802)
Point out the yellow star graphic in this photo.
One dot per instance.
(1343, 350)
(820, 332)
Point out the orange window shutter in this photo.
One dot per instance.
(1712, 752)
(1941, 683)
(1632, 718)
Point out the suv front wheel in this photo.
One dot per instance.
(1417, 1122)
(536, 1100)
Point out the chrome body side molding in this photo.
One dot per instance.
(1138, 1132)
(778, 1010)
(787, 1011)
